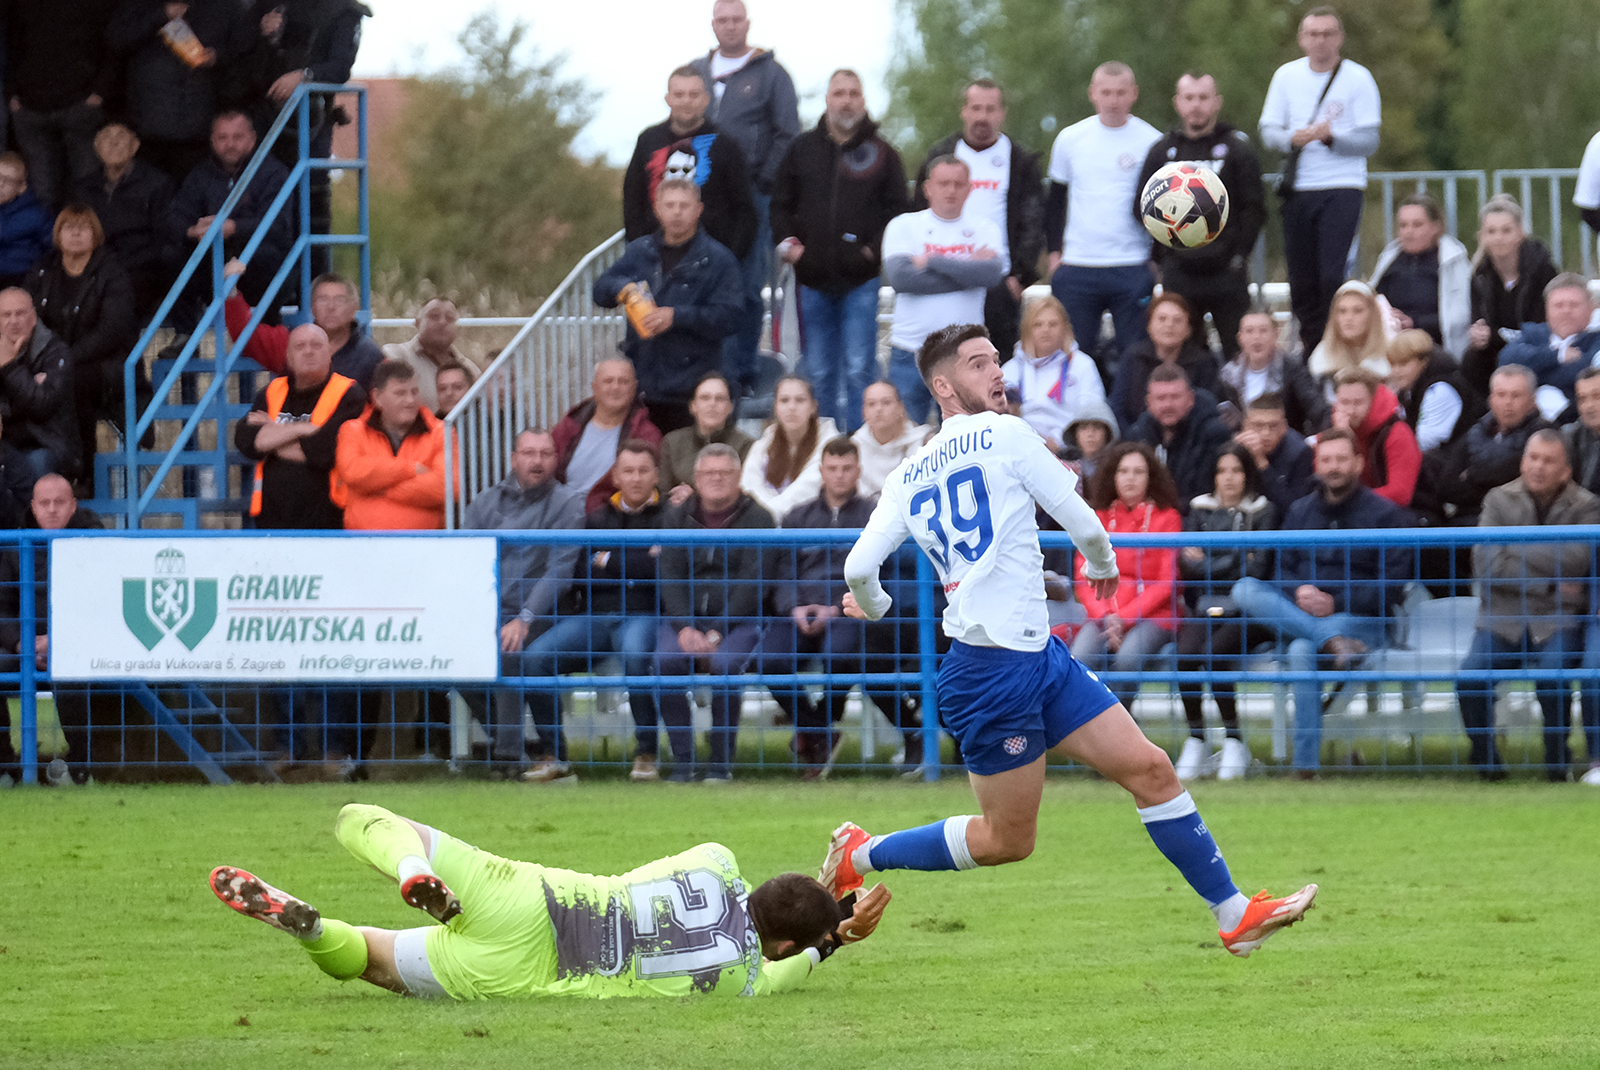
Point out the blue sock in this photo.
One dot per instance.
(1179, 834)
(941, 845)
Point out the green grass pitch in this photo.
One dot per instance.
(1456, 928)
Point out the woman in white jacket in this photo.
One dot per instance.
(784, 468)
(887, 438)
(1426, 276)
(1053, 376)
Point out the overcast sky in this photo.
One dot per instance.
(623, 49)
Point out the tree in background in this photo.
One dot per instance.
(492, 196)
(1043, 51)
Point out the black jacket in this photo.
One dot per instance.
(1222, 566)
(1364, 580)
(1024, 206)
(818, 577)
(1440, 368)
(56, 53)
(319, 36)
(39, 414)
(1489, 459)
(1500, 309)
(208, 186)
(1304, 405)
(99, 324)
(11, 582)
(1191, 456)
(626, 582)
(166, 98)
(706, 295)
(1133, 376)
(1227, 151)
(133, 215)
(294, 495)
(1288, 476)
(836, 199)
(720, 171)
(716, 587)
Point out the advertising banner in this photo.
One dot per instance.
(274, 609)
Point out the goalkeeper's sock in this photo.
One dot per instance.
(1178, 832)
(383, 840)
(941, 845)
(338, 949)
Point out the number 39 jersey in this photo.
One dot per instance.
(967, 498)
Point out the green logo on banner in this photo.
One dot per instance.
(169, 603)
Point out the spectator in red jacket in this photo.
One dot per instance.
(1131, 492)
(589, 435)
(1369, 410)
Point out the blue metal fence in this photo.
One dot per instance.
(213, 728)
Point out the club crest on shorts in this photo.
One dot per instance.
(1015, 745)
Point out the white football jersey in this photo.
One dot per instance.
(967, 498)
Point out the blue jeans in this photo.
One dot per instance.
(1563, 650)
(1263, 603)
(739, 348)
(1590, 693)
(908, 381)
(839, 334)
(573, 645)
(1087, 292)
(739, 648)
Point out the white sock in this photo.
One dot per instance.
(412, 866)
(1230, 912)
(861, 857)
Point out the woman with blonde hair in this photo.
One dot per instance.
(1054, 378)
(784, 467)
(1356, 336)
(1509, 273)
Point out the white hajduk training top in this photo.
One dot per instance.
(967, 498)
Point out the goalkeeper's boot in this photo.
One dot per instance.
(839, 874)
(1265, 916)
(429, 894)
(255, 898)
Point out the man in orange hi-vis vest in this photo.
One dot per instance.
(292, 433)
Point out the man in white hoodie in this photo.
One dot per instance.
(888, 437)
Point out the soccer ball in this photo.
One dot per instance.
(1184, 206)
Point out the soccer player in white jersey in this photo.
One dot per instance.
(1008, 689)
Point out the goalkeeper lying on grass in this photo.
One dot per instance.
(673, 927)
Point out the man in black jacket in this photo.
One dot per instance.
(613, 607)
(1330, 601)
(694, 284)
(1184, 435)
(1215, 278)
(812, 601)
(1007, 188)
(40, 433)
(711, 604)
(131, 198)
(837, 188)
(1283, 460)
(686, 146)
(57, 81)
(1492, 456)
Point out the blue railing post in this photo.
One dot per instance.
(29, 682)
(927, 665)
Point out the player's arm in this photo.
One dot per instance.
(1055, 488)
(886, 529)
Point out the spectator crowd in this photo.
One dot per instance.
(1449, 389)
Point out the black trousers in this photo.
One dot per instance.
(1225, 294)
(1002, 314)
(1319, 227)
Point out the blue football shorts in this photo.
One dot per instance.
(1007, 707)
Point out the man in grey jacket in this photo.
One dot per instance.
(532, 578)
(1536, 599)
(753, 100)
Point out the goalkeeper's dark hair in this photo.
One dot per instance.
(793, 906)
(942, 345)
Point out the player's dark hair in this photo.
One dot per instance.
(391, 371)
(841, 447)
(1162, 491)
(941, 346)
(793, 906)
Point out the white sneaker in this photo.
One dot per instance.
(1592, 777)
(1235, 759)
(1192, 759)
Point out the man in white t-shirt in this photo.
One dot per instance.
(1323, 111)
(1007, 190)
(1587, 196)
(1099, 252)
(941, 261)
